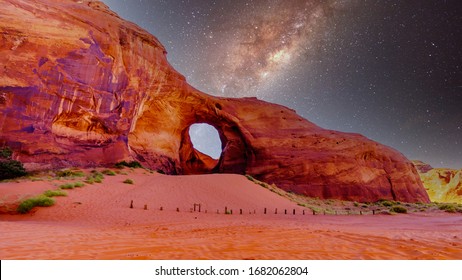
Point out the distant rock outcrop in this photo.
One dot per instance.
(421, 166)
(79, 86)
(442, 184)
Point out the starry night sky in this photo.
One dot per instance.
(390, 70)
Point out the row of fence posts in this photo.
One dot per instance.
(197, 207)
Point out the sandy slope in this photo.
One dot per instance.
(96, 222)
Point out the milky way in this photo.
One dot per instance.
(388, 69)
(266, 41)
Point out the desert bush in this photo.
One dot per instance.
(67, 186)
(10, 168)
(69, 173)
(128, 181)
(398, 209)
(38, 201)
(51, 193)
(89, 180)
(94, 177)
(6, 152)
(108, 172)
(132, 164)
(78, 184)
(450, 208)
(388, 203)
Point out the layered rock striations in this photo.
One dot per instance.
(80, 86)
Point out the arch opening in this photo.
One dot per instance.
(206, 139)
(230, 153)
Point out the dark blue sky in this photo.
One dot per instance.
(390, 70)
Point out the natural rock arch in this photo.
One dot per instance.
(234, 155)
(103, 91)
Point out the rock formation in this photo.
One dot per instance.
(79, 86)
(442, 184)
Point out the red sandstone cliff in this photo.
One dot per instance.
(80, 86)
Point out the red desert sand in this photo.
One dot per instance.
(96, 222)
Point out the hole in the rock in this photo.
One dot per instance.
(205, 139)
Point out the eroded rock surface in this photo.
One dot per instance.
(80, 86)
(442, 184)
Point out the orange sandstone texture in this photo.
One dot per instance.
(96, 222)
(79, 86)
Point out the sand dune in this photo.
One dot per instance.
(96, 222)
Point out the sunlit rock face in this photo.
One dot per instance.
(80, 86)
(442, 184)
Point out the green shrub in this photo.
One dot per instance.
(388, 203)
(450, 208)
(70, 186)
(132, 164)
(78, 184)
(38, 201)
(51, 193)
(398, 209)
(108, 172)
(69, 173)
(128, 181)
(10, 169)
(67, 186)
(94, 177)
(90, 180)
(6, 152)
